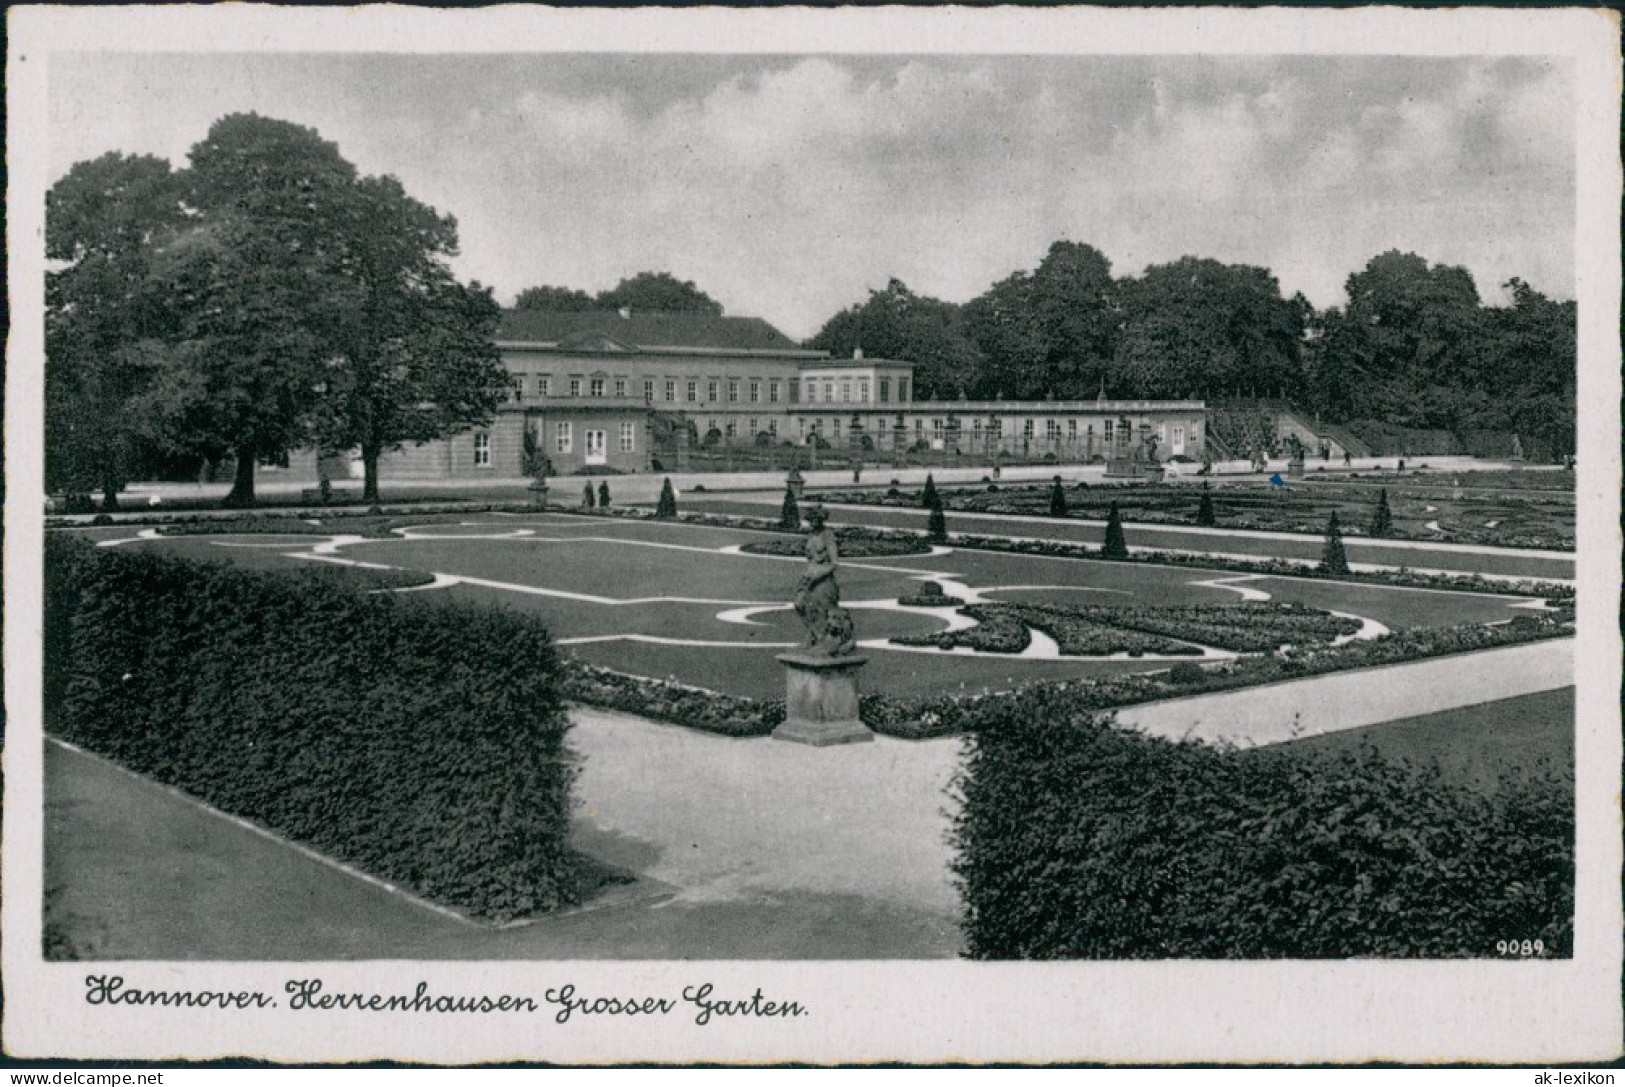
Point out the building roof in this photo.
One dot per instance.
(643, 330)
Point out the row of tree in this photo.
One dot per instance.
(264, 298)
(1414, 345)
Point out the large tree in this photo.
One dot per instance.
(1408, 347)
(1049, 332)
(415, 358)
(258, 288)
(896, 323)
(104, 325)
(659, 292)
(1201, 328)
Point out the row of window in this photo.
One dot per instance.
(564, 438)
(754, 390)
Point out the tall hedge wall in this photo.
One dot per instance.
(1080, 840)
(419, 742)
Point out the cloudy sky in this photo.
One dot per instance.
(789, 186)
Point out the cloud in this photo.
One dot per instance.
(789, 186)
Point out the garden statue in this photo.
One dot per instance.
(818, 598)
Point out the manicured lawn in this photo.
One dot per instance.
(606, 587)
(1476, 745)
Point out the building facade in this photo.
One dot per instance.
(608, 391)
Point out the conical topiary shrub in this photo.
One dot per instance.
(603, 495)
(790, 512)
(586, 497)
(1116, 546)
(1057, 499)
(1382, 520)
(1332, 558)
(928, 497)
(936, 525)
(667, 506)
(1204, 512)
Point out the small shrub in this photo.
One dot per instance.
(603, 495)
(1116, 545)
(1333, 560)
(1382, 519)
(666, 507)
(587, 500)
(1057, 499)
(790, 512)
(1186, 672)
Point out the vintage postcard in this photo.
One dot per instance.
(920, 535)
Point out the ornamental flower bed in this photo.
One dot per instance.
(852, 543)
(1004, 628)
(1255, 627)
(661, 700)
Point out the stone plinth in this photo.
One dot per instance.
(821, 700)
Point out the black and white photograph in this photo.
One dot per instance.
(833, 536)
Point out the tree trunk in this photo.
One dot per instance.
(369, 467)
(242, 487)
(110, 489)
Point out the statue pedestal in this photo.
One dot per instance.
(821, 700)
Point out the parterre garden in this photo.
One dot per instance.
(1508, 509)
(680, 622)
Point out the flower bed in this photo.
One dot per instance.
(929, 596)
(852, 543)
(661, 700)
(1254, 627)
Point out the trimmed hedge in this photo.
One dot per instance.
(419, 741)
(1076, 839)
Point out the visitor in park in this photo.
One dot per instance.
(1347, 460)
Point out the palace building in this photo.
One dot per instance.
(621, 391)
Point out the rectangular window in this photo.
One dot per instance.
(773, 427)
(835, 428)
(1107, 429)
(629, 433)
(902, 390)
(648, 392)
(829, 392)
(575, 386)
(812, 392)
(755, 392)
(733, 391)
(561, 438)
(711, 391)
(728, 431)
(1052, 429)
(995, 428)
(751, 428)
(1027, 429)
(541, 385)
(1072, 429)
(693, 391)
(482, 450)
(620, 386)
(919, 427)
(976, 428)
(772, 392)
(794, 389)
(597, 386)
(846, 392)
(885, 390)
(936, 428)
(863, 391)
(671, 390)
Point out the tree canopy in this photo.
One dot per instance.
(263, 299)
(896, 323)
(645, 292)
